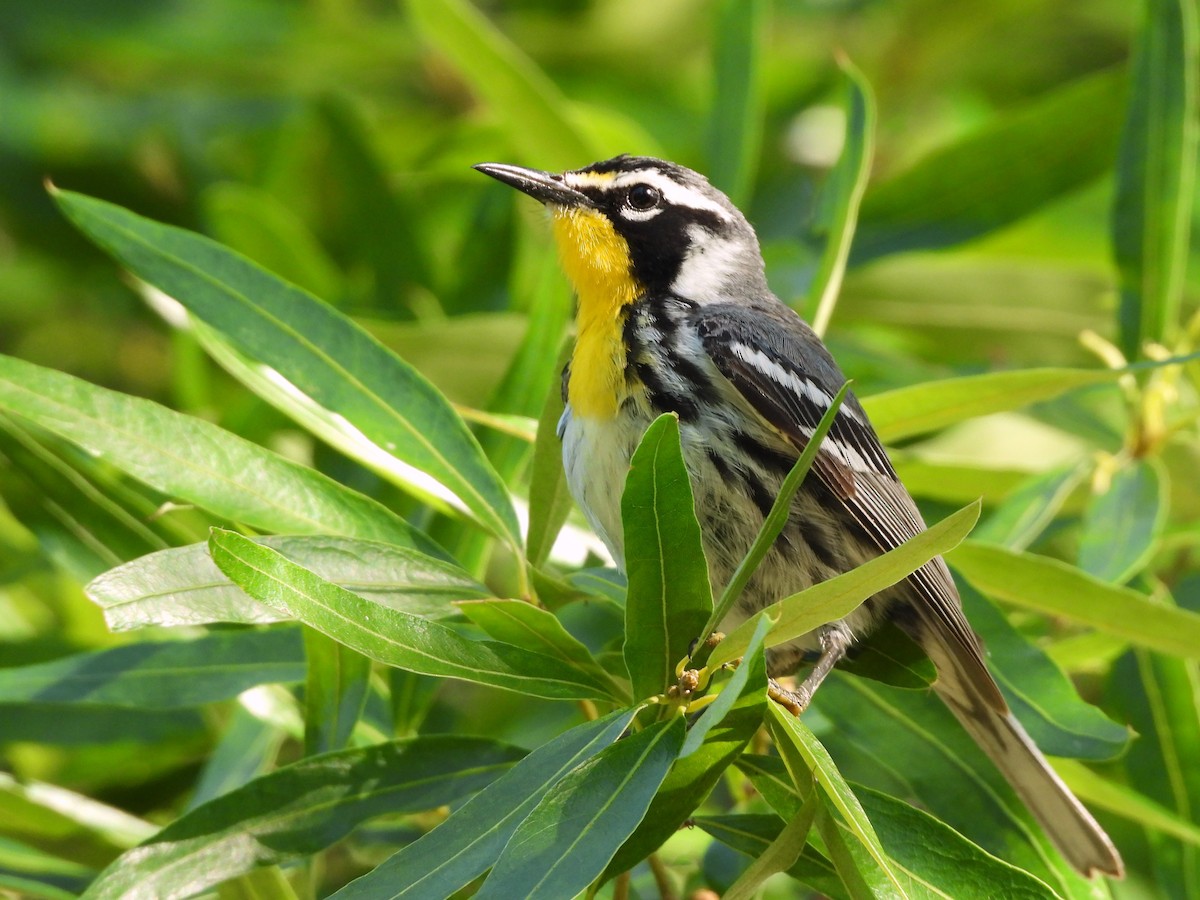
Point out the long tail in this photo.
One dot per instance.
(1071, 827)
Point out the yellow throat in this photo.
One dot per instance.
(596, 260)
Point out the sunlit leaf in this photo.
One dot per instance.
(322, 353)
(183, 586)
(390, 636)
(194, 461)
(1056, 588)
(841, 194)
(933, 405)
(837, 597)
(669, 597)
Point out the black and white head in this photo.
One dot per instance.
(670, 229)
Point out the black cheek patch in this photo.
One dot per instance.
(658, 246)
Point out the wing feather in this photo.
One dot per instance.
(787, 376)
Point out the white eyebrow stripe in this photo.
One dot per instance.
(673, 192)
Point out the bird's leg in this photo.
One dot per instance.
(835, 639)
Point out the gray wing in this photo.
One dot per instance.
(781, 368)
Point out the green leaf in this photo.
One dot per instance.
(460, 849)
(194, 461)
(736, 120)
(390, 636)
(1120, 800)
(1037, 691)
(72, 826)
(909, 745)
(936, 860)
(889, 655)
(751, 673)
(1022, 517)
(752, 833)
(161, 675)
(669, 597)
(779, 856)
(1161, 698)
(933, 405)
(525, 625)
(837, 597)
(1156, 173)
(301, 809)
(841, 194)
(577, 827)
(805, 758)
(29, 873)
(320, 352)
(335, 690)
(183, 586)
(986, 181)
(1055, 588)
(1122, 526)
(538, 121)
(549, 498)
(694, 776)
(96, 725)
(66, 497)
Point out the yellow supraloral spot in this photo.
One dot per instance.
(596, 260)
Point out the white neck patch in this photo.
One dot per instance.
(711, 262)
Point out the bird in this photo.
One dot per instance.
(674, 315)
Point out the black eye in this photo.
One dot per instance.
(643, 197)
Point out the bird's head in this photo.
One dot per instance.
(634, 225)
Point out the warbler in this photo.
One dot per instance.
(675, 315)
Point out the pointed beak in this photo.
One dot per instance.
(543, 186)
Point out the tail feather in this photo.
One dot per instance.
(998, 733)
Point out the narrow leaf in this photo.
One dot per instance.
(549, 498)
(836, 598)
(576, 828)
(464, 846)
(194, 461)
(1037, 691)
(386, 635)
(736, 120)
(525, 625)
(669, 598)
(694, 776)
(298, 810)
(322, 353)
(183, 586)
(1156, 173)
(161, 675)
(1055, 588)
(933, 405)
(335, 689)
(1122, 526)
(805, 758)
(841, 195)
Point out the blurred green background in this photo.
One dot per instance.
(331, 142)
